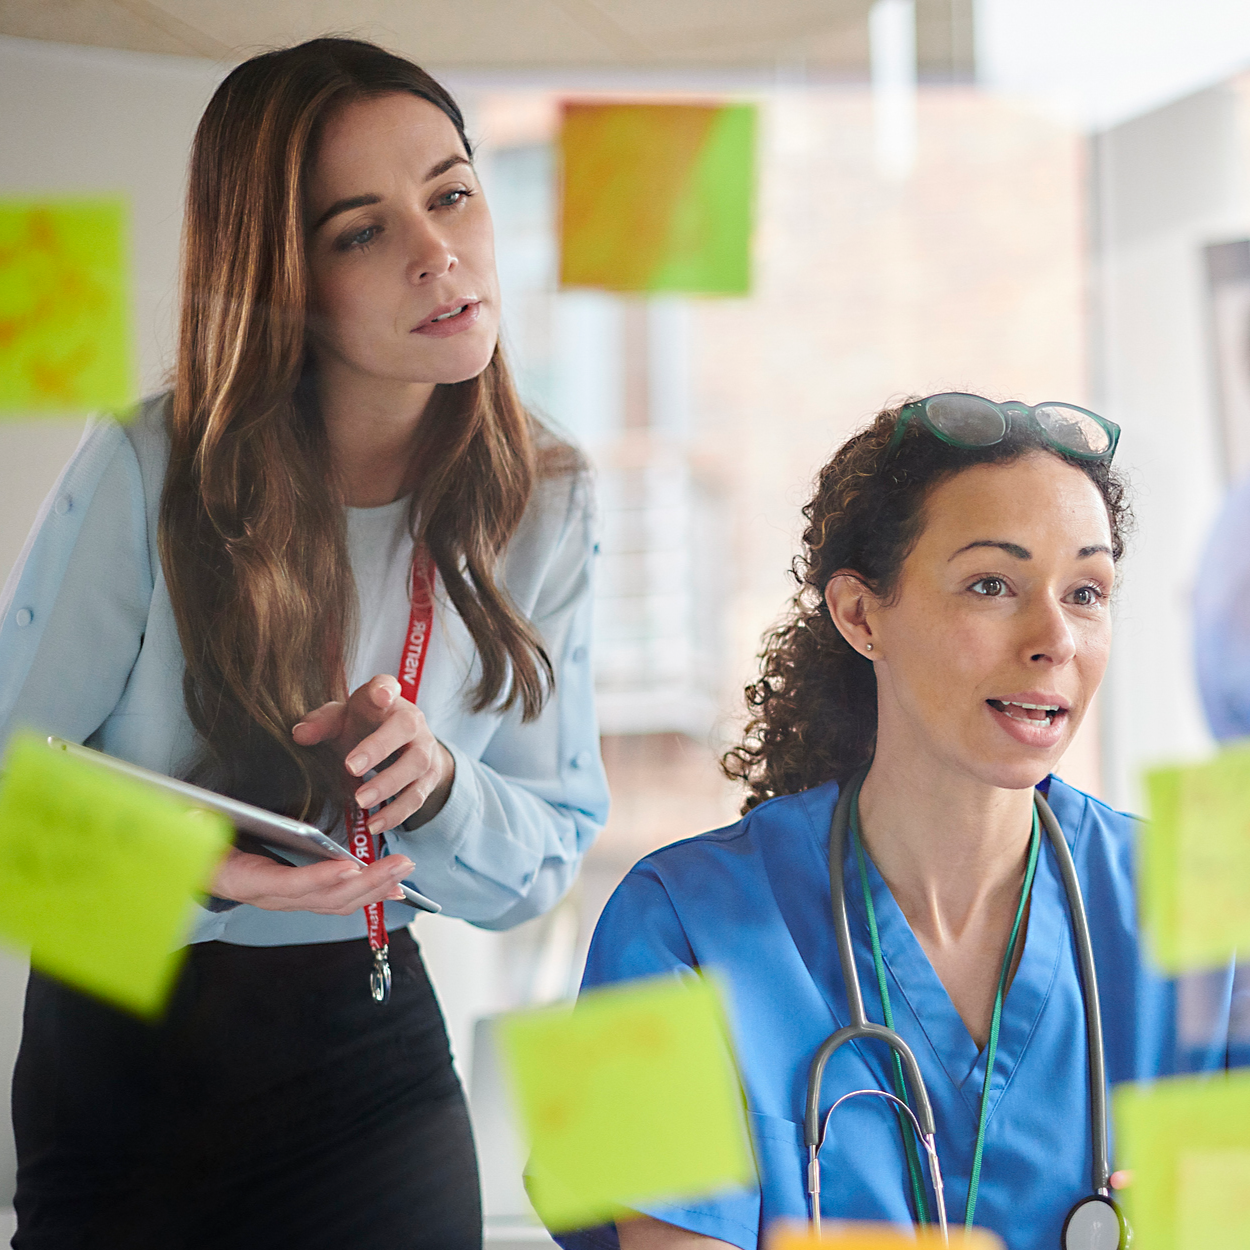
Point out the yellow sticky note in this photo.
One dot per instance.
(841, 1235)
(1187, 1143)
(631, 1097)
(98, 872)
(657, 197)
(65, 307)
(1195, 862)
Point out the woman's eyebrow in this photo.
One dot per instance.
(1012, 549)
(436, 171)
(345, 206)
(363, 201)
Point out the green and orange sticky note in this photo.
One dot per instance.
(657, 197)
(1195, 862)
(98, 873)
(627, 1098)
(840, 1235)
(1186, 1141)
(65, 307)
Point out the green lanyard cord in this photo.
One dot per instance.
(913, 1160)
(974, 1180)
(900, 1086)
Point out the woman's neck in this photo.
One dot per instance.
(371, 425)
(953, 851)
(948, 846)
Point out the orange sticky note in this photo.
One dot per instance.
(657, 197)
(841, 1235)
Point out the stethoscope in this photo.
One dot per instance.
(1095, 1222)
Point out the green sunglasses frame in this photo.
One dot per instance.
(1011, 411)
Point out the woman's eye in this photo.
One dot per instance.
(452, 198)
(990, 587)
(360, 240)
(1087, 596)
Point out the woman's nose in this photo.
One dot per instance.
(1049, 637)
(430, 256)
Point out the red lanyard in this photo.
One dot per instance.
(360, 840)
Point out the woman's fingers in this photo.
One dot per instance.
(408, 800)
(410, 763)
(334, 887)
(327, 721)
(403, 725)
(369, 706)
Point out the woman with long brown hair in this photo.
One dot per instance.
(338, 571)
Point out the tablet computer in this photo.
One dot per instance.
(290, 840)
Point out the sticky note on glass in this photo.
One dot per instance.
(1195, 862)
(631, 1097)
(65, 307)
(868, 1236)
(98, 872)
(657, 197)
(1187, 1143)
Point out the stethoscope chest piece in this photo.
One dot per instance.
(1096, 1223)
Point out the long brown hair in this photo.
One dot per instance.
(252, 531)
(814, 707)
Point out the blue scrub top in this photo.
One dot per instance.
(752, 901)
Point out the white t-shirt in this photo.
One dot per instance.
(379, 544)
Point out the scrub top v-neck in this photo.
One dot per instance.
(752, 901)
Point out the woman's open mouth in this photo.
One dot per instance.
(1026, 711)
(1035, 724)
(450, 319)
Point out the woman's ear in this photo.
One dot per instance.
(850, 603)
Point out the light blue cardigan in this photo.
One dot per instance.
(89, 651)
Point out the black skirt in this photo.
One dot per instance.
(276, 1105)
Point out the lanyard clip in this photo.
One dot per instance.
(380, 976)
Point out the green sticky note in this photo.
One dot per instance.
(1187, 1144)
(65, 307)
(1195, 862)
(630, 1097)
(98, 873)
(657, 197)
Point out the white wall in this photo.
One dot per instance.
(80, 120)
(1164, 185)
(1099, 62)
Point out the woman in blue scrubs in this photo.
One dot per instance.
(950, 629)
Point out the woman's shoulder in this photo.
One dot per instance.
(781, 828)
(1084, 817)
(563, 477)
(553, 543)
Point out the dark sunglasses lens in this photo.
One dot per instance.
(966, 420)
(1074, 429)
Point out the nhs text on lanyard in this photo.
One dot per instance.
(360, 840)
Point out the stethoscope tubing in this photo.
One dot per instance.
(860, 1027)
(1101, 1169)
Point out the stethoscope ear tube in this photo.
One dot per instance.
(1101, 1170)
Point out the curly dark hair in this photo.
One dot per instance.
(814, 707)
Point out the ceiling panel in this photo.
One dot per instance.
(471, 33)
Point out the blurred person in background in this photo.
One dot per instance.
(950, 628)
(222, 591)
(1222, 619)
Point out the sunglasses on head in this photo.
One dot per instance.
(971, 421)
